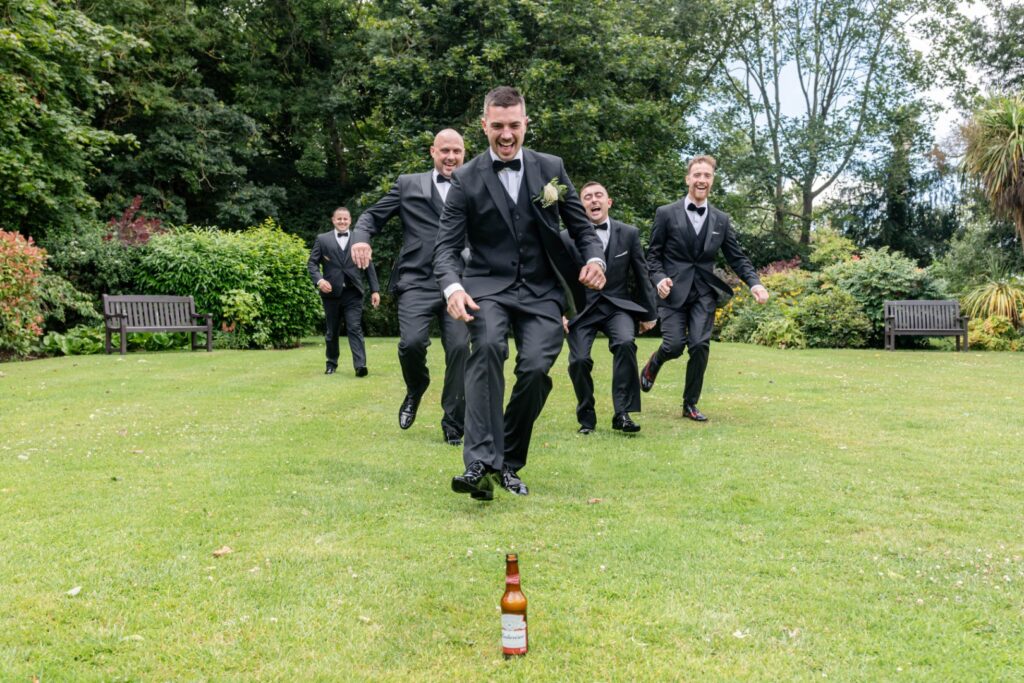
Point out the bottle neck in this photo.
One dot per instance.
(512, 575)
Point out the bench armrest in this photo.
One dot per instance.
(202, 316)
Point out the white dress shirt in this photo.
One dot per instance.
(510, 179)
(442, 188)
(696, 219)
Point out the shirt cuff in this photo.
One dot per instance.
(600, 262)
(452, 288)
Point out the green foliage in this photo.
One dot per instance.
(94, 263)
(984, 249)
(995, 154)
(744, 320)
(51, 61)
(879, 275)
(832, 319)
(21, 264)
(259, 274)
(1003, 298)
(85, 340)
(779, 333)
(62, 305)
(994, 333)
(740, 317)
(829, 247)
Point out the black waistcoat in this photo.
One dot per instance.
(534, 269)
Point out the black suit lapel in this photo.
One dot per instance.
(534, 185)
(495, 188)
(708, 229)
(430, 191)
(613, 242)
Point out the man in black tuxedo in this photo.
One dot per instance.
(418, 199)
(341, 288)
(685, 238)
(612, 311)
(505, 206)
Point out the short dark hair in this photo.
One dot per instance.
(703, 159)
(591, 183)
(341, 208)
(503, 96)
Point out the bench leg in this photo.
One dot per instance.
(209, 338)
(124, 337)
(106, 342)
(193, 341)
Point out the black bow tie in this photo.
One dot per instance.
(339, 235)
(699, 209)
(603, 226)
(515, 164)
(442, 179)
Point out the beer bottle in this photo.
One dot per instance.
(513, 611)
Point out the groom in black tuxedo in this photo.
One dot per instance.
(685, 238)
(341, 288)
(418, 199)
(505, 205)
(612, 311)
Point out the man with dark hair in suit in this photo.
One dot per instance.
(685, 238)
(612, 311)
(341, 288)
(505, 205)
(418, 199)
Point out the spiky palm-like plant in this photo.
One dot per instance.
(996, 297)
(995, 153)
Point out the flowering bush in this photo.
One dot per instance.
(994, 333)
(21, 263)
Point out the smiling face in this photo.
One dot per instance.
(699, 180)
(505, 128)
(341, 219)
(448, 152)
(596, 202)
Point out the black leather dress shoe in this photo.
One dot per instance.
(362, 372)
(649, 374)
(452, 437)
(511, 482)
(330, 370)
(407, 413)
(585, 430)
(476, 481)
(624, 423)
(691, 412)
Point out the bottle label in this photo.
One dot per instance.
(512, 579)
(513, 634)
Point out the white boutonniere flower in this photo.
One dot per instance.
(553, 192)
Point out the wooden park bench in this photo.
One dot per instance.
(924, 318)
(138, 313)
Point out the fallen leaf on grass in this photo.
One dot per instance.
(75, 591)
(740, 634)
(134, 636)
(222, 551)
(593, 501)
(364, 619)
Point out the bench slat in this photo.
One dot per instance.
(924, 318)
(158, 313)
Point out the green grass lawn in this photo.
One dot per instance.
(845, 515)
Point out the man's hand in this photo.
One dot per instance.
(565, 324)
(375, 299)
(459, 305)
(647, 325)
(592, 276)
(361, 254)
(325, 286)
(760, 293)
(664, 287)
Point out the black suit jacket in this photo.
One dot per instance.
(477, 215)
(669, 255)
(337, 266)
(418, 205)
(624, 253)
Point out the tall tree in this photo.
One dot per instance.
(995, 154)
(818, 80)
(51, 59)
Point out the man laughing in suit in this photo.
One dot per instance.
(685, 238)
(612, 311)
(418, 199)
(505, 205)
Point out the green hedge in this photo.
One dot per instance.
(253, 282)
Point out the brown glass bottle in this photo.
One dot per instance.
(513, 611)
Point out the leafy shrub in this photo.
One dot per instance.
(832, 319)
(994, 333)
(743, 322)
(21, 263)
(84, 340)
(1003, 297)
(263, 262)
(877, 276)
(62, 305)
(94, 264)
(133, 228)
(780, 333)
(828, 247)
(787, 286)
